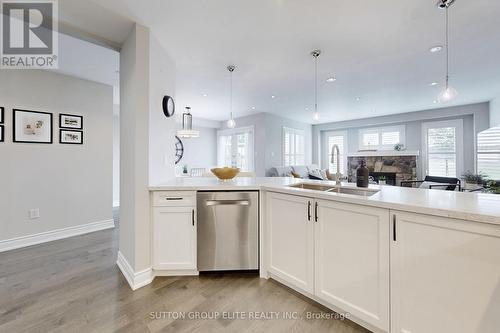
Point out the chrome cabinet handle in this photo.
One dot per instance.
(228, 202)
(173, 198)
(192, 217)
(394, 237)
(309, 210)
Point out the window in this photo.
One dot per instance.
(383, 138)
(235, 148)
(293, 147)
(488, 153)
(442, 148)
(338, 138)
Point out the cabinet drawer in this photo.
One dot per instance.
(174, 198)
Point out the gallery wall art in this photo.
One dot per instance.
(32, 126)
(70, 137)
(70, 121)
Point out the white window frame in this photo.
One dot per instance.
(325, 163)
(380, 130)
(459, 144)
(485, 152)
(295, 132)
(233, 132)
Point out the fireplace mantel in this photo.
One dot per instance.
(386, 153)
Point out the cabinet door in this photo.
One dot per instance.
(174, 238)
(445, 276)
(291, 247)
(352, 260)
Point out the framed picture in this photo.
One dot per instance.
(32, 126)
(2, 133)
(70, 137)
(70, 121)
(2, 114)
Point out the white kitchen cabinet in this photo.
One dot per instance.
(352, 260)
(174, 233)
(445, 275)
(291, 236)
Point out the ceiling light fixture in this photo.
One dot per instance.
(331, 79)
(432, 84)
(253, 108)
(449, 93)
(272, 96)
(316, 54)
(205, 95)
(187, 130)
(435, 49)
(231, 123)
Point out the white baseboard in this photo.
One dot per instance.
(136, 280)
(49, 236)
(176, 273)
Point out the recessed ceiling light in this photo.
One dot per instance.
(432, 84)
(253, 107)
(273, 96)
(435, 101)
(436, 48)
(358, 99)
(205, 95)
(331, 79)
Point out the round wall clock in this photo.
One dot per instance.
(179, 149)
(168, 106)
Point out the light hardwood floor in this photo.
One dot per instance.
(74, 285)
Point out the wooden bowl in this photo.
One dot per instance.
(225, 173)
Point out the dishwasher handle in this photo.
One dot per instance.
(227, 202)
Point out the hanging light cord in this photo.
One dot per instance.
(316, 84)
(447, 50)
(231, 94)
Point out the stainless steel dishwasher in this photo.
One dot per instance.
(228, 231)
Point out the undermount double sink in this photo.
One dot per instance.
(336, 189)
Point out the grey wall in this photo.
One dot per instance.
(268, 139)
(116, 156)
(475, 117)
(200, 152)
(495, 112)
(70, 184)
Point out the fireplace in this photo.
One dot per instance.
(389, 176)
(395, 166)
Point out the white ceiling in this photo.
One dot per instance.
(378, 50)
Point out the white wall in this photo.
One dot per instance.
(200, 152)
(70, 184)
(268, 139)
(475, 117)
(495, 112)
(146, 139)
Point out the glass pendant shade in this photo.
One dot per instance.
(447, 95)
(231, 123)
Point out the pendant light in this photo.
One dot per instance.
(187, 130)
(449, 93)
(231, 123)
(316, 54)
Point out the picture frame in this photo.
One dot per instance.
(2, 133)
(2, 114)
(70, 137)
(70, 121)
(32, 126)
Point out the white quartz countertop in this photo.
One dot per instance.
(478, 207)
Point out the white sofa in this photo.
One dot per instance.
(301, 170)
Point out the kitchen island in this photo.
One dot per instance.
(396, 259)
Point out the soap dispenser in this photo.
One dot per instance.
(362, 175)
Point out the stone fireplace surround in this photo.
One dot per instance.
(385, 163)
